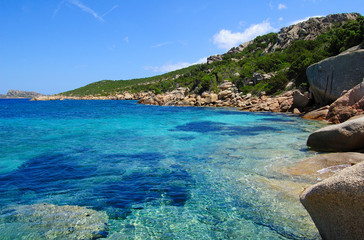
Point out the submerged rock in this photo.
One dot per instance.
(336, 205)
(48, 221)
(324, 165)
(347, 136)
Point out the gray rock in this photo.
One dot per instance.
(330, 77)
(310, 29)
(347, 136)
(48, 221)
(336, 204)
(299, 100)
(214, 58)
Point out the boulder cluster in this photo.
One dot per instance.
(336, 205)
(229, 96)
(338, 80)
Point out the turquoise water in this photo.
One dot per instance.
(158, 172)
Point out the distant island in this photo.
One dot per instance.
(20, 94)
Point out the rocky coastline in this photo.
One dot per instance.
(336, 203)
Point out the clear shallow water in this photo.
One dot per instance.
(158, 172)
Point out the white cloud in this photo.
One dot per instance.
(126, 39)
(282, 6)
(280, 19)
(226, 39)
(86, 9)
(304, 19)
(172, 67)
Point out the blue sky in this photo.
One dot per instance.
(51, 46)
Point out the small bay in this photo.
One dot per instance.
(158, 172)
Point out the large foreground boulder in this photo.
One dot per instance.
(343, 137)
(330, 77)
(348, 105)
(336, 205)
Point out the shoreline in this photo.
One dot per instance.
(291, 101)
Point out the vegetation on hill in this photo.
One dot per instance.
(285, 65)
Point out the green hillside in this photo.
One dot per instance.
(283, 65)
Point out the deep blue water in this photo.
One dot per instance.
(158, 172)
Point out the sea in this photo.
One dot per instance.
(157, 172)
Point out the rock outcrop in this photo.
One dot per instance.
(336, 205)
(349, 105)
(48, 221)
(306, 30)
(347, 136)
(310, 29)
(329, 78)
(214, 58)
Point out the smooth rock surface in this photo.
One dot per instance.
(336, 205)
(330, 77)
(347, 136)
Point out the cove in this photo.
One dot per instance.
(156, 172)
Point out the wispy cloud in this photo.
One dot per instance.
(282, 6)
(58, 8)
(111, 9)
(304, 19)
(126, 39)
(161, 44)
(172, 67)
(226, 39)
(84, 8)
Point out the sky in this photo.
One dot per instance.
(52, 46)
